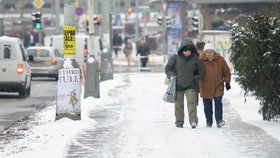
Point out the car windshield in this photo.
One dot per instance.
(38, 52)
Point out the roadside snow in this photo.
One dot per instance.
(248, 110)
(44, 136)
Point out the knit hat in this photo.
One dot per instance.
(209, 46)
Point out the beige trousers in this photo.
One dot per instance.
(192, 100)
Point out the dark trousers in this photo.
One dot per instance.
(116, 50)
(144, 61)
(208, 109)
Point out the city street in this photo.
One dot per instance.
(43, 90)
(133, 121)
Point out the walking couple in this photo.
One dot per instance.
(205, 73)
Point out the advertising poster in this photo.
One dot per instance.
(173, 40)
(69, 41)
(69, 91)
(175, 31)
(174, 12)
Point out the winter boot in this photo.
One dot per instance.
(179, 126)
(208, 124)
(193, 124)
(220, 123)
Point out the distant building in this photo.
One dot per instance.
(216, 12)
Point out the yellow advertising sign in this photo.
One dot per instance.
(69, 41)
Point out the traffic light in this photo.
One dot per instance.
(36, 20)
(168, 21)
(159, 20)
(87, 23)
(97, 19)
(195, 23)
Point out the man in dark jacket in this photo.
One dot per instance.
(117, 43)
(144, 51)
(188, 70)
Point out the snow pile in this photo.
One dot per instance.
(42, 135)
(67, 64)
(248, 110)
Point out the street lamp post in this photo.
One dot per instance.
(137, 20)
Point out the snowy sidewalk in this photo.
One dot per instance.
(130, 120)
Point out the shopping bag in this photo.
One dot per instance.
(166, 80)
(170, 93)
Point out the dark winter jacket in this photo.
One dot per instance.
(188, 70)
(143, 50)
(117, 40)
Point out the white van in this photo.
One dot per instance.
(15, 73)
(56, 41)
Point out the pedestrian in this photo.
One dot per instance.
(200, 46)
(32, 42)
(216, 74)
(26, 39)
(127, 51)
(188, 70)
(144, 51)
(117, 43)
(126, 37)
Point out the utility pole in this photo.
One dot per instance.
(105, 22)
(145, 14)
(91, 28)
(165, 32)
(57, 17)
(92, 66)
(69, 20)
(96, 11)
(137, 20)
(2, 11)
(164, 26)
(69, 12)
(111, 31)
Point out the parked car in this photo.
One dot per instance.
(15, 73)
(46, 61)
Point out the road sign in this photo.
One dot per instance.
(38, 3)
(79, 11)
(69, 41)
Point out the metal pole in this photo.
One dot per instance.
(40, 37)
(91, 28)
(137, 20)
(145, 25)
(96, 12)
(2, 11)
(40, 31)
(69, 20)
(110, 31)
(105, 22)
(69, 12)
(92, 66)
(164, 14)
(57, 17)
